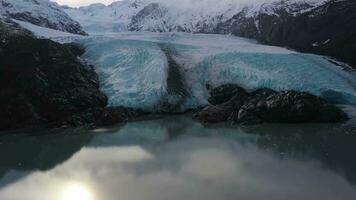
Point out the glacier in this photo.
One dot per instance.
(152, 70)
(132, 73)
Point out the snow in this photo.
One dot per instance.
(98, 18)
(40, 12)
(43, 32)
(183, 15)
(133, 68)
(315, 44)
(326, 41)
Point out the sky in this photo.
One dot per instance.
(77, 3)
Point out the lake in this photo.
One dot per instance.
(175, 157)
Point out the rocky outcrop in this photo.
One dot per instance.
(224, 93)
(266, 105)
(44, 83)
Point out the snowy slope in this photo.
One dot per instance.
(183, 15)
(43, 32)
(98, 18)
(134, 69)
(40, 12)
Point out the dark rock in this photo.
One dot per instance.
(266, 105)
(289, 107)
(213, 114)
(75, 48)
(224, 93)
(85, 118)
(96, 117)
(225, 101)
(43, 82)
(114, 115)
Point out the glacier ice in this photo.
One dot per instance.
(301, 72)
(134, 68)
(132, 73)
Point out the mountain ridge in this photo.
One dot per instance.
(43, 13)
(298, 24)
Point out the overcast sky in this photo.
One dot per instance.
(77, 3)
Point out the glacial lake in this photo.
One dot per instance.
(176, 158)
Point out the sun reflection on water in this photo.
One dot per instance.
(76, 190)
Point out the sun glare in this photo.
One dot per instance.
(76, 191)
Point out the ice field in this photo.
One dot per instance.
(134, 68)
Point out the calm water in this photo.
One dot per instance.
(176, 158)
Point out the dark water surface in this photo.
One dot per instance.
(176, 158)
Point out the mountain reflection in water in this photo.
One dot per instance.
(178, 158)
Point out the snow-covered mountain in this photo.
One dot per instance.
(318, 26)
(183, 16)
(40, 12)
(327, 27)
(98, 18)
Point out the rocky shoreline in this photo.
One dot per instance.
(233, 103)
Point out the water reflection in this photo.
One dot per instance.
(158, 160)
(30, 150)
(76, 191)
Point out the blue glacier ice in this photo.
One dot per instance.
(132, 73)
(134, 68)
(301, 72)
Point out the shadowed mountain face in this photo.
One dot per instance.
(329, 29)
